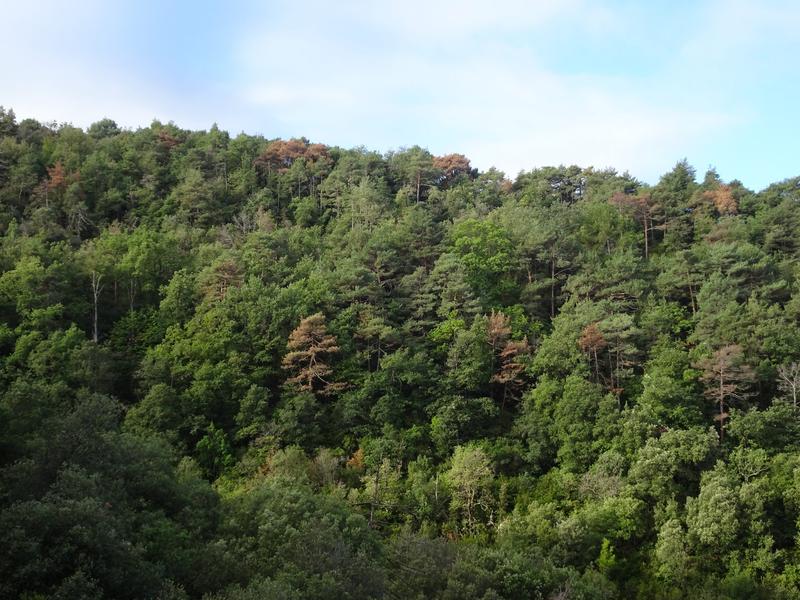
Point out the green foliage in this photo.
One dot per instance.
(214, 452)
(246, 368)
(488, 256)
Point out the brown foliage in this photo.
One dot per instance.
(513, 356)
(451, 166)
(309, 345)
(56, 177)
(512, 362)
(592, 339)
(722, 199)
(638, 206)
(280, 155)
(591, 342)
(55, 186)
(356, 462)
(166, 140)
(498, 330)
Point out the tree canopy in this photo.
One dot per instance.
(236, 367)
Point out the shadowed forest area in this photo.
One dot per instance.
(240, 368)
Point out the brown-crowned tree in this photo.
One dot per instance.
(498, 330)
(449, 167)
(310, 346)
(612, 341)
(509, 357)
(592, 342)
(722, 200)
(510, 375)
(56, 183)
(299, 165)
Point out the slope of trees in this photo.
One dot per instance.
(235, 368)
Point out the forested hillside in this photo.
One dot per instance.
(240, 368)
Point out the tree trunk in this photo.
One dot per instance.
(721, 408)
(131, 292)
(97, 287)
(552, 286)
(375, 493)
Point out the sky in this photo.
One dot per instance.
(514, 84)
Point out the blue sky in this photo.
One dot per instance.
(510, 83)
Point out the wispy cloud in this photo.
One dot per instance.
(511, 83)
(447, 78)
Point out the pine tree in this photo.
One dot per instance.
(309, 346)
(727, 377)
(513, 359)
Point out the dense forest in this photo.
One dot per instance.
(240, 368)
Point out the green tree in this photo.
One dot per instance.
(488, 256)
(470, 477)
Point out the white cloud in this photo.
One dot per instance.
(447, 79)
(739, 40)
(431, 20)
(53, 71)
(453, 76)
(537, 118)
(285, 96)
